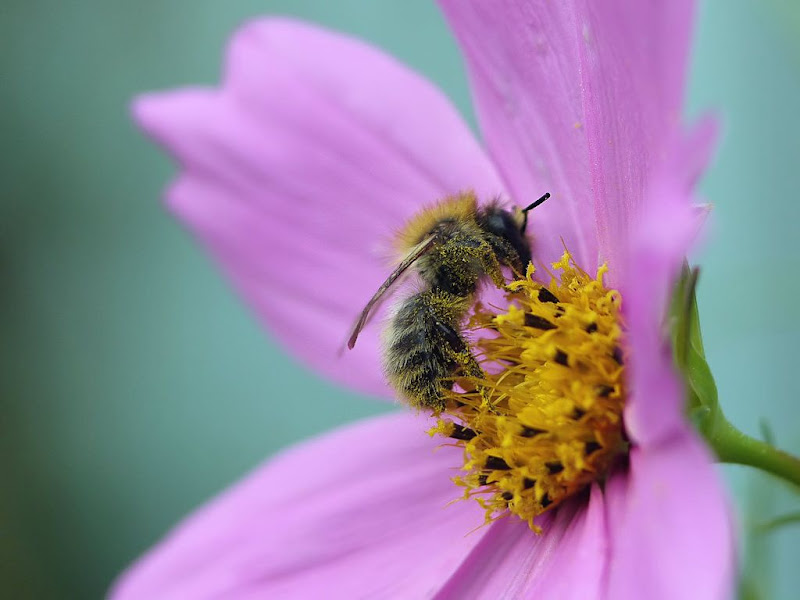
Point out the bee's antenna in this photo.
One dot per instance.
(535, 204)
(531, 207)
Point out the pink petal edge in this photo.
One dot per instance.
(567, 561)
(633, 63)
(667, 230)
(523, 64)
(298, 170)
(579, 99)
(671, 530)
(367, 512)
(362, 512)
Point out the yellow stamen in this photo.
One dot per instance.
(546, 420)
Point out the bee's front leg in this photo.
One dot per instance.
(491, 265)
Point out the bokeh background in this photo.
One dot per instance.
(135, 385)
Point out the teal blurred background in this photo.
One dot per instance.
(135, 384)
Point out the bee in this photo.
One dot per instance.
(453, 246)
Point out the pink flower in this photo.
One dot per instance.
(294, 173)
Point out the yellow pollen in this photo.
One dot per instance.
(546, 421)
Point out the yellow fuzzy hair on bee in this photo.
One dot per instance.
(461, 208)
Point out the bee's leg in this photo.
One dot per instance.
(488, 257)
(462, 356)
(484, 253)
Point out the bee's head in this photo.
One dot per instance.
(510, 227)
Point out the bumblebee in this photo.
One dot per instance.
(453, 246)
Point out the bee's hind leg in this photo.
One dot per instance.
(461, 355)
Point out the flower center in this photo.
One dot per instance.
(546, 420)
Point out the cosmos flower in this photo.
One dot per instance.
(296, 170)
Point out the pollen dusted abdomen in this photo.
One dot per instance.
(424, 348)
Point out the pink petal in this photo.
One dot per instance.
(360, 513)
(567, 561)
(668, 227)
(671, 532)
(578, 98)
(298, 170)
(634, 58)
(523, 63)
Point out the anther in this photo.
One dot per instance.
(604, 391)
(591, 447)
(617, 355)
(546, 295)
(529, 432)
(538, 322)
(495, 463)
(462, 433)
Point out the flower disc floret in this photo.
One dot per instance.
(546, 420)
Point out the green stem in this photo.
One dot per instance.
(733, 446)
(777, 522)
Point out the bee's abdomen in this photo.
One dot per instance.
(419, 359)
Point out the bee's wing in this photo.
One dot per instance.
(409, 260)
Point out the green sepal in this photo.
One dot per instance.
(702, 403)
(701, 417)
(689, 354)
